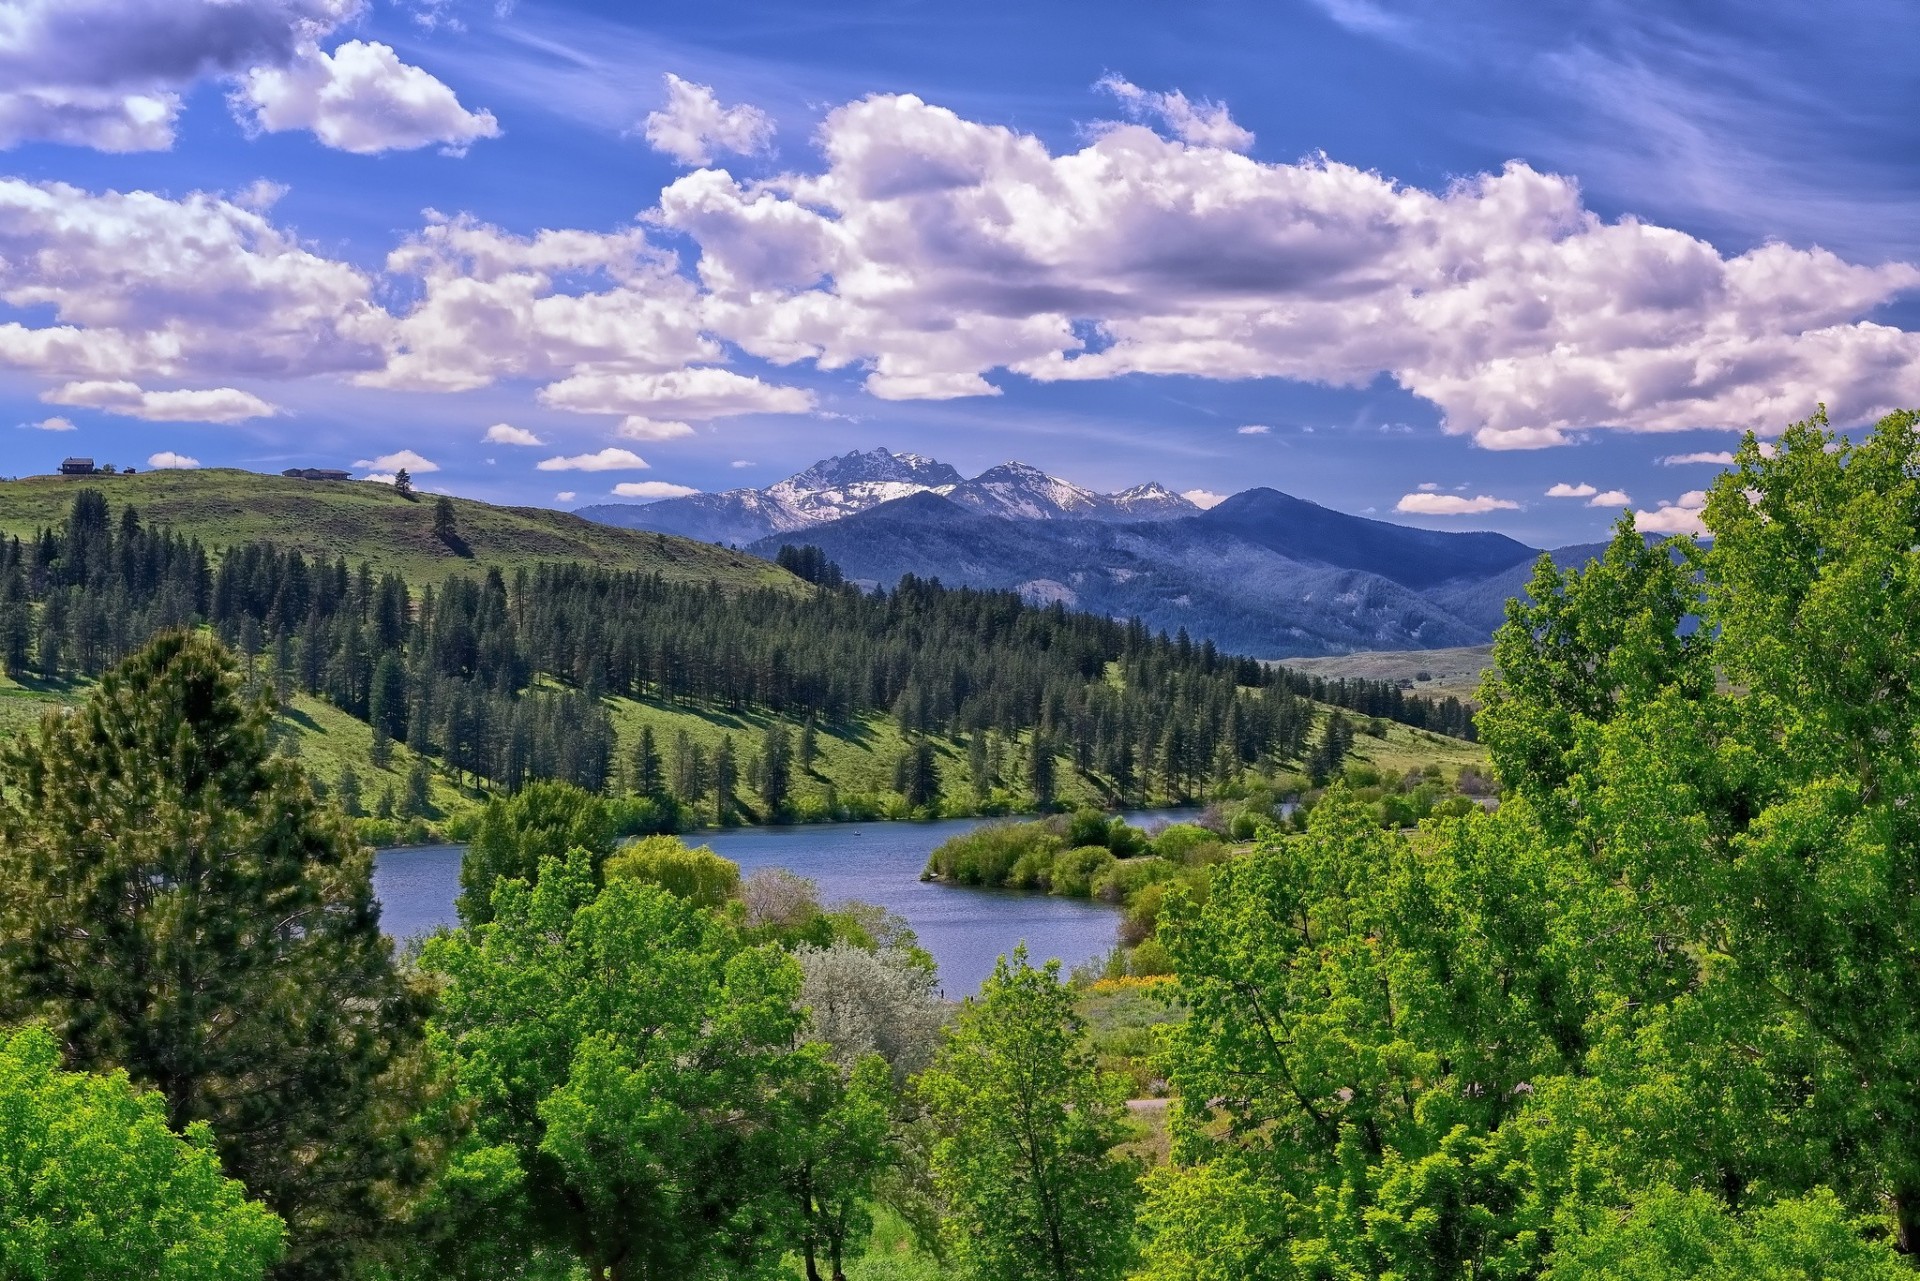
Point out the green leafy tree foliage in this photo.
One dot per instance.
(619, 1054)
(176, 904)
(1691, 1236)
(1755, 830)
(1028, 1125)
(93, 1184)
(517, 834)
(1366, 1020)
(836, 1132)
(697, 875)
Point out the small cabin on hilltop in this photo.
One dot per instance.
(78, 467)
(317, 473)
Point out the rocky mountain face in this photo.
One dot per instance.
(836, 488)
(1263, 573)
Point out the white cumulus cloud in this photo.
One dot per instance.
(359, 98)
(636, 427)
(111, 74)
(565, 496)
(1610, 498)
(691, 393)
(140, 286)
(1564, 490)
(652, 489)
(492, 307)
(1452, 504)
(693, 127)
(605, 460)
(1722, 457)
(1681, 516)
(1203, 497)
(183, 405)
(412, 462)
(167, 460)
(507, 434)
(933, 252)
(56, 423)
(1201, 124)
(1254, 429)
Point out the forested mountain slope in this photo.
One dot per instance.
(1263, 573)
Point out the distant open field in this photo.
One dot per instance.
(363, 521)
(1450, 671)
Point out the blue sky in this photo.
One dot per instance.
(1390, 262)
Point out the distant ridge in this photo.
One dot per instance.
(1262, 573)
(836, 488)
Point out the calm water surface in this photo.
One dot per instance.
(964, 929)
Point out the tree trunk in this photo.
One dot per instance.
(1906, 1221)
(813, 1267)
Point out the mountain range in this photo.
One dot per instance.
(836, 488)
(1261, 573)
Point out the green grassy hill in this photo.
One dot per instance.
(371, 522)
(1454, 671)
(855, 763)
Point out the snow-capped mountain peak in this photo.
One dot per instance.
(1022, 492)
(835, 488)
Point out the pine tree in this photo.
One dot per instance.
(916, 775)
(446, 530)
(809, 746)
(212, 931)
(726, 777)
(776, 769)
(648, 780)
(1041, 777)
(347, 789)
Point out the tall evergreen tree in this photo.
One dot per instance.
(174, 902)
(648, 778)
(776, 769)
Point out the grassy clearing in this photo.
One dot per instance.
(1405, 748)
(854, 760)
(1452, 671)
(223, 507)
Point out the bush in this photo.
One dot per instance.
(1127, 877)
(1076, 870)
(988, 855)
(697, 875)
(1173, 842)
(1149, 959)
(647, 816)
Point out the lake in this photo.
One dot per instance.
(965, 929)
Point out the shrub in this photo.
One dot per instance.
(988, 855)
(1076, 870)
(698, 875)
